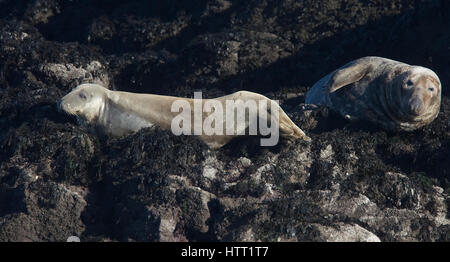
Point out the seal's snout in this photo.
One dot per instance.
(62, 106)
(416, 106)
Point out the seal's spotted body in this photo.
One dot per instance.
(395, 95)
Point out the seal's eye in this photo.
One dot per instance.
(82, 95)
(431, 89)
(409, 83)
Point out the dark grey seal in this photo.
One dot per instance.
(395, 95)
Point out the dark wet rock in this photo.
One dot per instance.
(352, 182)
(65, 74)
(49, 212)
(340, 232)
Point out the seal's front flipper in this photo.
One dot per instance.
(349, 73)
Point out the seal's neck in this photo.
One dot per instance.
(117, 121)
(155, 109)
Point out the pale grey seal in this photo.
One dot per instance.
(117, 113)
(393, 94)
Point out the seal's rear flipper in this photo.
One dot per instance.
(290, 129)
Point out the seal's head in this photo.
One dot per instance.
(419, 90)
(86, 102)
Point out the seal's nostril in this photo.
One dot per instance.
(415, 106)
